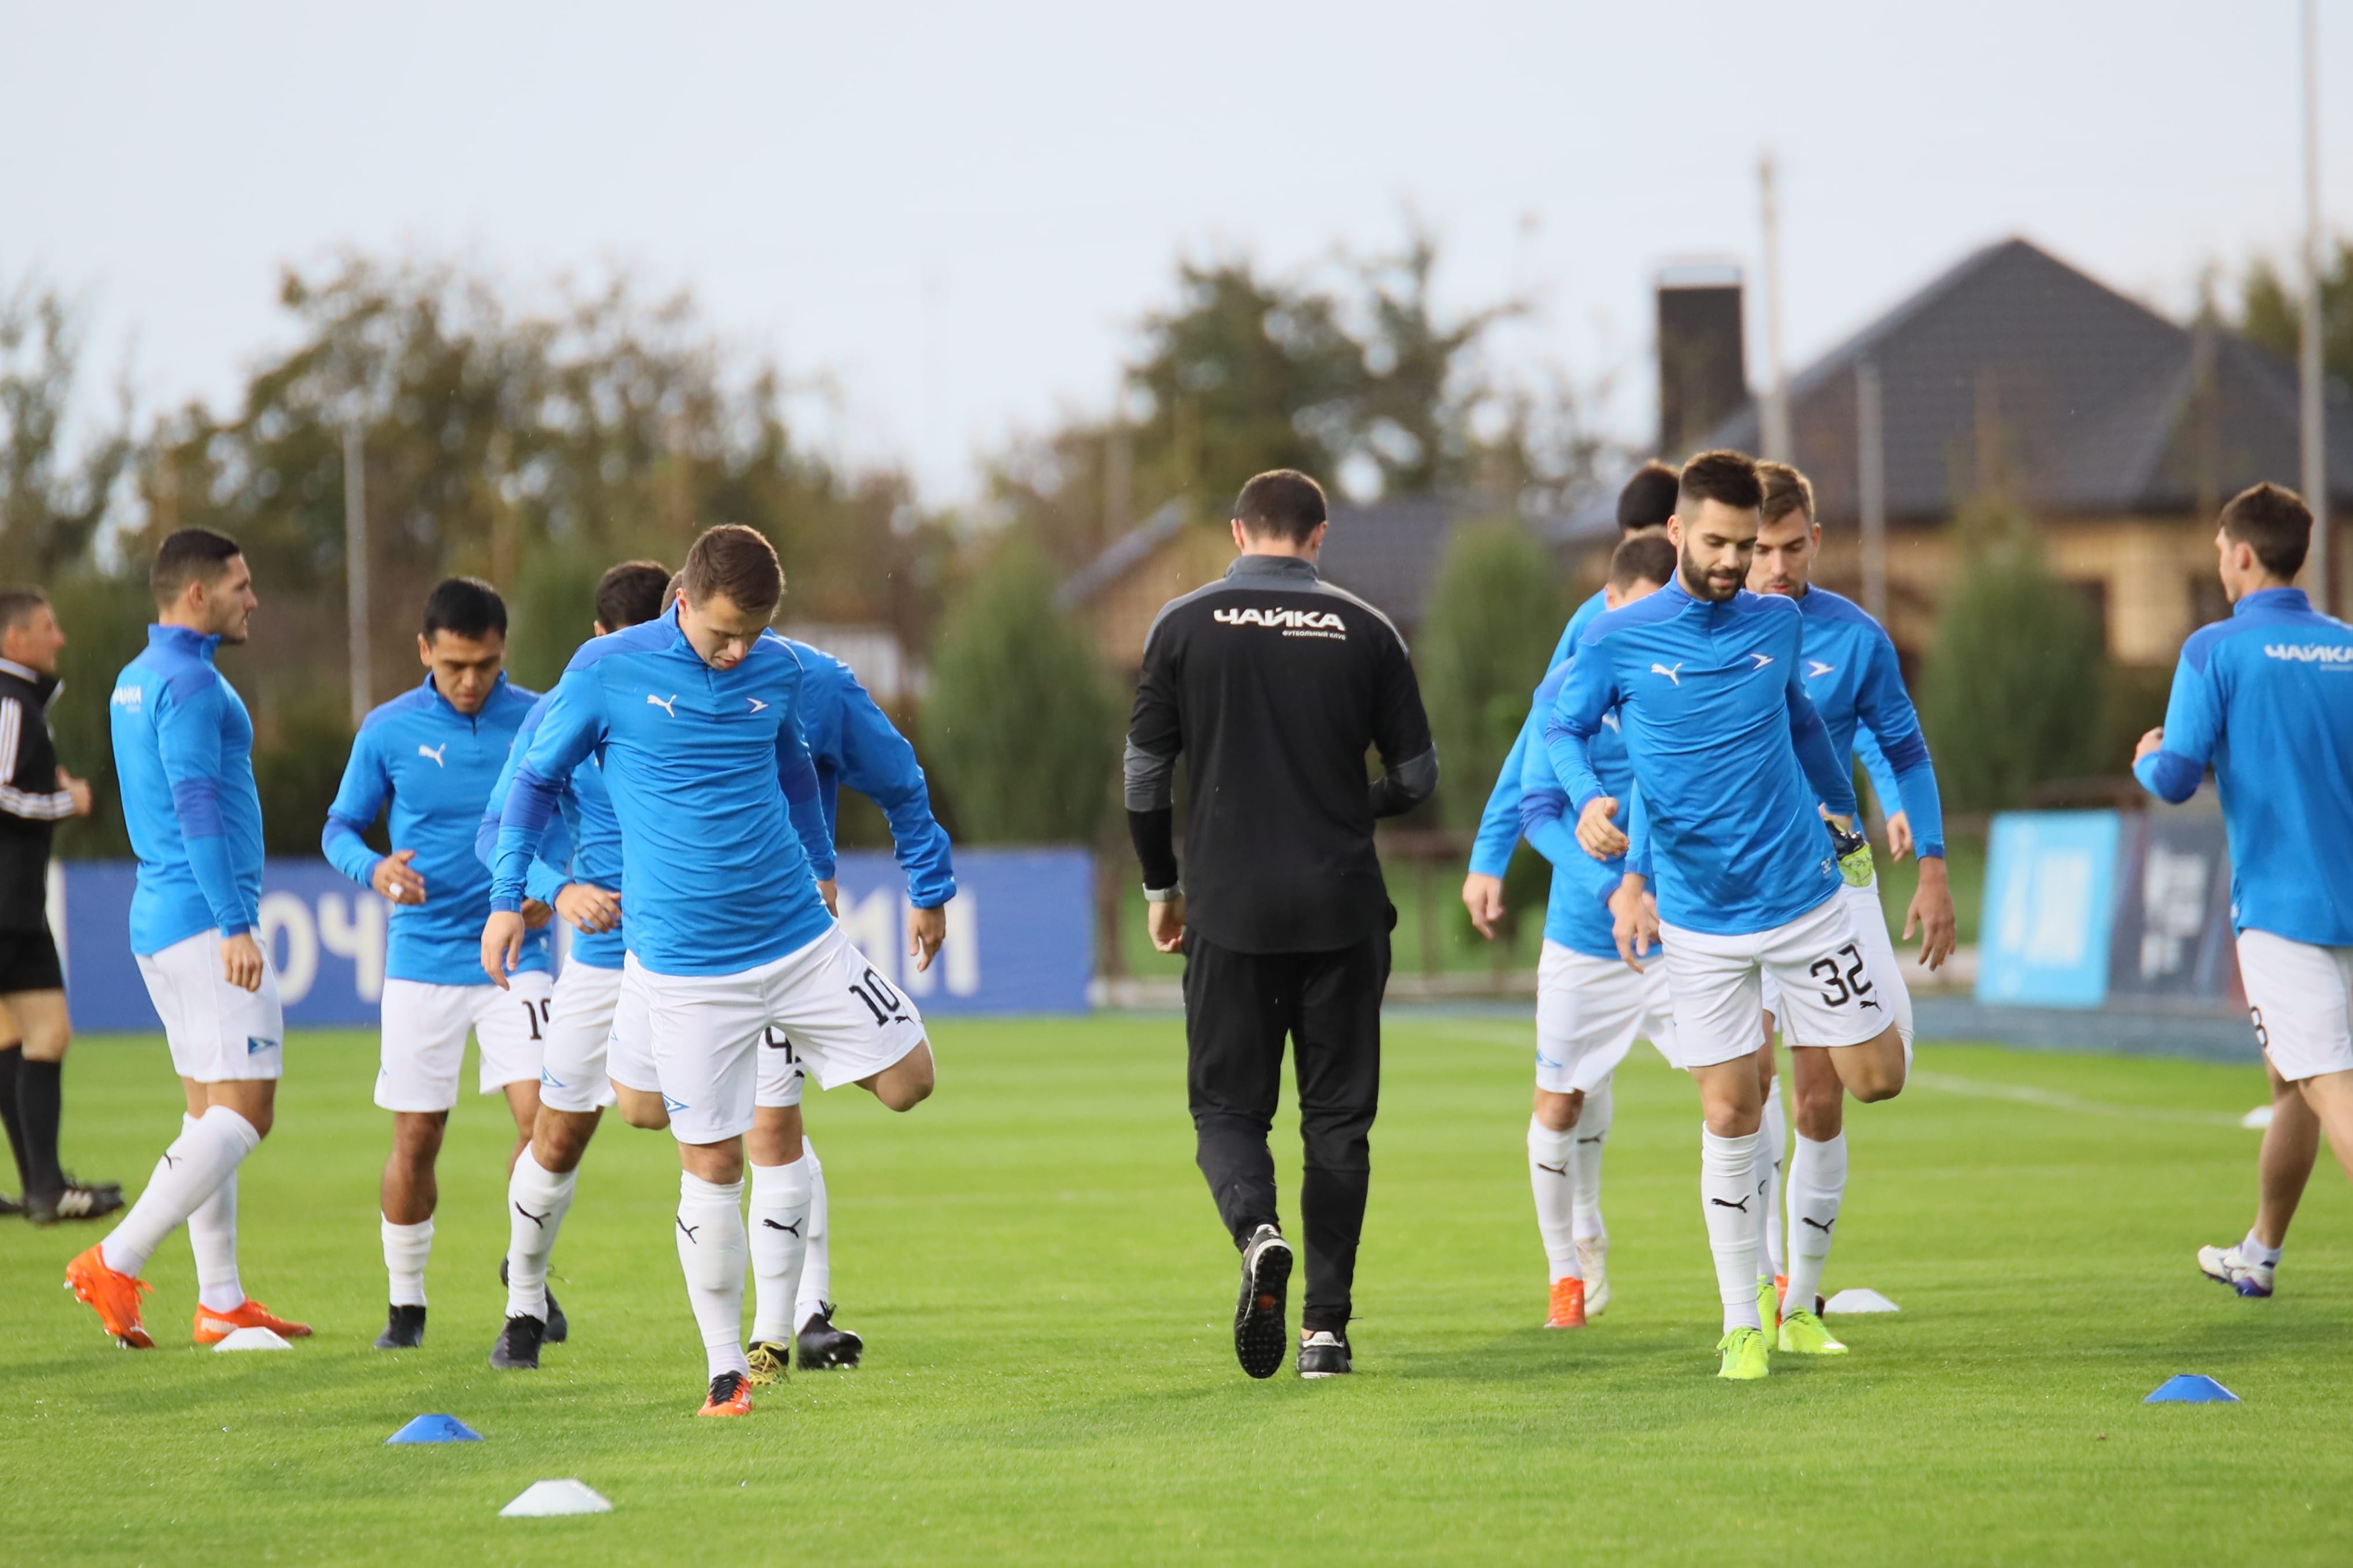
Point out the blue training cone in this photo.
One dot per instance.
(2191, 1388)
(438, 1429)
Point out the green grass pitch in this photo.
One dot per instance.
(1047, 1300)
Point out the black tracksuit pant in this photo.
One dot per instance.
(1239, 1008)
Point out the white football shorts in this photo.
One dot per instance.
(782, 1075)
(1870, 918)
(217, 1032)
(2301, 998)
(572, 1075)
(846, 1022)
(425, 1029)
(1830, 985)
(1590, 1013)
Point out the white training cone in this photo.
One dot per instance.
(545, 1499)
(2258, 1118)
(256, 1338)
(1860, 1300)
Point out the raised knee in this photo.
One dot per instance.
(1878, 1090)
(904, 1094)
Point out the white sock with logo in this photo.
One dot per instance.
(406, 1250)
(817, 1263)
(1776, 1149)
(1551, 1172)
(778, 1237)
(1816, 1186)
(1592, 1138)
(212, 1237)
(709, 1232)
(1727, 1192)
(204, 1154)
(537, 1201)
(2254, 1251)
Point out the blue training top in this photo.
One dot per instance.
(2267, 697)
(436, 765)
(184, 762)
(1729, 753)
(1499, 825)
(1576, 916)
(582, 843)
(1857, 684)
(723, 838)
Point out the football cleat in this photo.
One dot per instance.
(403, 1329)
(771, 1360)
(1593, 1262)
(822, 1346)
(9, 1207)
(1567, 1305)
(559, 1327)
(731, 1395)
(1259, 1337)
(1324, 1354)
(1768, 1304)
(1745, 1355)
(71, 1202)
(518, 1346)
(1805, 1334)
(114, 1296)
(2230, 1265)
(213, 1327)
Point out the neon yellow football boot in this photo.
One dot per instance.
(1769, 1303)
(1745, 1355)
(1804, 1333)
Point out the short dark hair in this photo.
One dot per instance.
(1727, 478)
(1645, 558)
(2275, 522)
(737, 562)
(189, 555)
(1786, 490)
(1649, 498)
(673, 588)
(466, 608)
(1282, 503)
(630, 593)
(16, 606)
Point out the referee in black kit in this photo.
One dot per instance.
(1273, 685)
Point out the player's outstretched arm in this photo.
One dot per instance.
(570, 729)
(2171, 759)
(1499, 828)
(1833, 780)
(879, 764)
(1586, 694)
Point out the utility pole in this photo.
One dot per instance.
(1871, 486)
(2312, 377)
(355, 570)
(1775, 423)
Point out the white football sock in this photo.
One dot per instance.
(1592, 1138)
(1552, 1171)
(1817, 1185)
(1727, 1191)
(200, 1159)
(710, 1253)
(1776, 1149)
(778, 1237)
(2254, 1251)
(537, 1201)
(212, 1237)
(407, 1248)
(817, 1264)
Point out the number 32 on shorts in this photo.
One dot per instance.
(1842, 983)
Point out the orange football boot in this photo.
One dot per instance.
(1567, 1305)
(213, 1327)
(731, 1395)
(114, 1296)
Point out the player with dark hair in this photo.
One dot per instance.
(184, 762)
(432, 755)
(1733, 770)
(2265, 699)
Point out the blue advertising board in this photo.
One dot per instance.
(2050, 884)
(1020, 937)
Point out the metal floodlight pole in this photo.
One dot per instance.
(1871, 488)
(355, 570)
(2313, 375)
(1774, 425)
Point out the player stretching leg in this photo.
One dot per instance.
(2266, 699)
(183, 758)
(1857, 686)
(1730, 759)
(851, 742)
(1589, 1007)
(695, 716)
(596, 1053)
(434, 754)
(1643, 508)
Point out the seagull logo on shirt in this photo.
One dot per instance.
(1762, 659)
(1815, 666)
(756, 703)
(1671, 673)
(664, 702)
(434, 752)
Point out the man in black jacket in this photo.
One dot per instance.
(1274, 684)
(35, 795)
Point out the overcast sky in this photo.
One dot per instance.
(955, 214)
